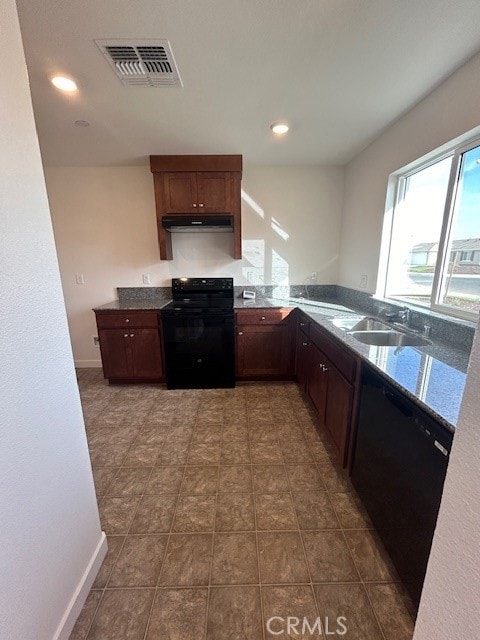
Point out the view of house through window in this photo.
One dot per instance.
(431, 263)
(461, 280)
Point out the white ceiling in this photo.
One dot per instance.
(339, 71)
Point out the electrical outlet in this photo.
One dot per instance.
(96, 341)
(363, 282)
(146, 278)
(79, 279)
(313, 276)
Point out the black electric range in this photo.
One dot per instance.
(198, 334)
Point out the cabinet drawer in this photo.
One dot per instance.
(116, 320)
(339, 356)
(261, 316)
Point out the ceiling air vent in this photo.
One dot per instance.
(148, 63)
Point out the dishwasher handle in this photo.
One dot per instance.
(398, 403)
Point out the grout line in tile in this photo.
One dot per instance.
(255, 524)
(210, 569)
(167, 544)
(305, 555)
(94, 614)
(363, 585)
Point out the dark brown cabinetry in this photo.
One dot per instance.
(302, 355)
(202, 192)
(197, 185)
(130, 346)
(263, 344)
(326, 372)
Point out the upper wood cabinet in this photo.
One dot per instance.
(197, 185)
(202, 192)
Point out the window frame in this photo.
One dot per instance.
(395, 194)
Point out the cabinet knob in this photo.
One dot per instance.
(262, 318)
(127, 319)
(132, 335)
(240, 333)
(302, 324)
(194, 204)
(125, 335)
(304, 344)
(201, 204)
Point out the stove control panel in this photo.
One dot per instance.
(201, 285)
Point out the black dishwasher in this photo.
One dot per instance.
(399, 466)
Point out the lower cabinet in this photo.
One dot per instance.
(302, 359)
(328, 381)
(338, 410)
(132, 353)
(263, 344)
(317, 381)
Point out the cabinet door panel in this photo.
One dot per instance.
(114, 347)
(213, 192)
(263, 351)
(180, 192)
(338, 409)
(147, 354)
(317, 381)
(344, 361)
(302, 359)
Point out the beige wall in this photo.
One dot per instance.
(105, 228)
(50, 537)
(449, 111)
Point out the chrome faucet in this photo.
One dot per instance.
(399, 315)
(405, 316)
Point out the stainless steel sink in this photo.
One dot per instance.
(361, 324)
(389, 338)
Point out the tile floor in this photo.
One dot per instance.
(223, 508)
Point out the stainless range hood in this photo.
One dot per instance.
(180, 223)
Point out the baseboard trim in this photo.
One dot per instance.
(75, 605)
(84, 364)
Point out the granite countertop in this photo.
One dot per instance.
(133, 305)
(433, 376)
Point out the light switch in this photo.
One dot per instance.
(146, 278)
(79, 279)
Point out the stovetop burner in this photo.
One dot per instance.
(200, 294)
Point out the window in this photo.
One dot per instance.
(433, 256)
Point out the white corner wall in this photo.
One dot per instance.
(448, 112)
(105, 229)
(449, 609)
(49, 527)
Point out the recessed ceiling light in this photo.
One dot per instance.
(64, 84)
(280, 128)
(82, 123)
